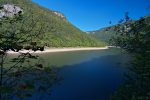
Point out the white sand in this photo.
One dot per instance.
(49, 50)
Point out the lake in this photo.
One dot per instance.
(87, 75)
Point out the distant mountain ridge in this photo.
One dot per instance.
(59, 32)
(105, 34)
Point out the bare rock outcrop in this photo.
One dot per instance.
(9, 10)
(59, 14)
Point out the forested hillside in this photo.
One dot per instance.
(57, 31)
(103, 34)
(106, 34)
(134, 37)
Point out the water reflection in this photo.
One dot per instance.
(96, 79)
(89, 75)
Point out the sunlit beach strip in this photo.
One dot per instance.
(49, 50)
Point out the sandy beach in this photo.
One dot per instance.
(50, 50)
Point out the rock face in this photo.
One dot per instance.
(9, 10)
(59, 14)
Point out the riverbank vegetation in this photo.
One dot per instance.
(134, 36)
(23, 75)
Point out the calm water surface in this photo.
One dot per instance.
(87, 75)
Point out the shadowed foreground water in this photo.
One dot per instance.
(93, 80)
(89, 75)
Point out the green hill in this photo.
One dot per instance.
(58, 32)
(105, 34)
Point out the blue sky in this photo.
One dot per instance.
(90, 15)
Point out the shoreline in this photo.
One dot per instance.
(52, 50)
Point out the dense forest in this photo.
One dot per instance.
(104, 34)
(134, 37)
(107, 33)
(56, 30)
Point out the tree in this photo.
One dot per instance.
(134, 36)
(20, 76)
